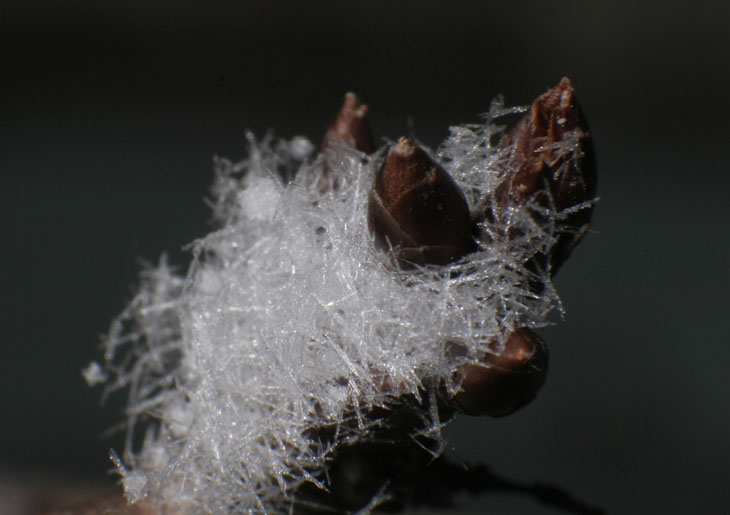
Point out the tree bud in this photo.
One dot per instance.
(417, 209)
(350, 128)
(506, 381)
(551, 150)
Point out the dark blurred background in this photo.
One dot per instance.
(111, 113)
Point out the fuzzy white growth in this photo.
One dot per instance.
(288, 320)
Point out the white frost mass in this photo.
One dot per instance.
(288, 319)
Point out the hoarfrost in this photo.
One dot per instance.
(288, 320)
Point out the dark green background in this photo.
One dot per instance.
(111, 114)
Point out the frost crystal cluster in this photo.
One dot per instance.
(289, 320)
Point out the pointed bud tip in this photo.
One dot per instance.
(351, 126)
(352, 105)
(405, 147)
(556, 112)
(405, 167)
(416, 205)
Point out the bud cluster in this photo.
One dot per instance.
(366, 300)
(418, 213)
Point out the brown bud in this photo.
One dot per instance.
(114, 502)
(416, 208)
(349, 128)
(506, 381)
(542, 159)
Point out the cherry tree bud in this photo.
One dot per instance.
(350, 128)
(417, 209)
(506, 381)
(551, 152)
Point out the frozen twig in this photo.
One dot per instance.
(346, 307)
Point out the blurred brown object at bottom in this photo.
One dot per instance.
(109, 503)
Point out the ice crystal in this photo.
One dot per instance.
(288, 320)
